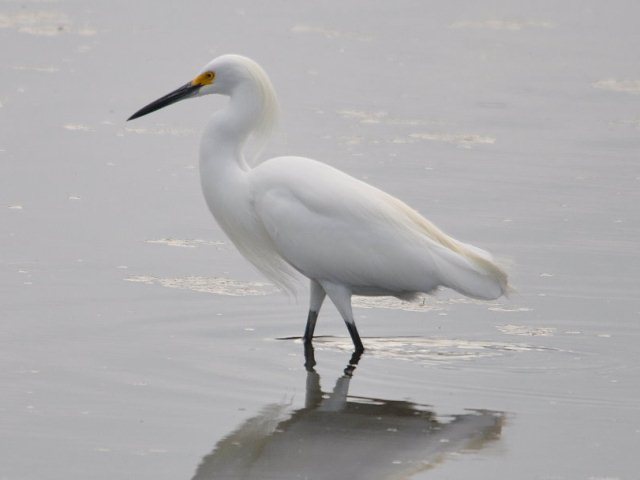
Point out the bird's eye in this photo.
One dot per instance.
(205, 78)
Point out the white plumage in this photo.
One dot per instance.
(294, 214)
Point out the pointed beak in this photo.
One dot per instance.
(186, 91)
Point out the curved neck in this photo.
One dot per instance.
(228, 130)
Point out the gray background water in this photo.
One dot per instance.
(137, 343)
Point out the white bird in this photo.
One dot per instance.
(290, 215)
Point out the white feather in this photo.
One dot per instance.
(293, 215)
(331, 226)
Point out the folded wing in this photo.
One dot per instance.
(331, 226)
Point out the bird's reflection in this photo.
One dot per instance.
(338, 436)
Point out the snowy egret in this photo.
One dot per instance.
(294, 215)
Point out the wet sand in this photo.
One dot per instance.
(137, 343)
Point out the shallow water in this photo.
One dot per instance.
(136, 342)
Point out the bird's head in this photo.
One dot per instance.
(222, 75)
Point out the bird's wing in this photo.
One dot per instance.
(331, 226)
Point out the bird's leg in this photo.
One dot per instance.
(353, 363)
(309, 357)
(315, 302)
(311, 326)
(355, 337)
(341, 298)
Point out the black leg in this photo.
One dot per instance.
(355, 337)
(311, 326)
(309, 357)
(355, 358)
(340, 295)
(316, 298)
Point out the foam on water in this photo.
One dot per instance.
(161, 130)
(78, 127)
(43, 23)
(217, 285)
(330, 33)
(184, 243)
(382, 117)
(464, 140)
(614, 85)
(526, 330)
(428, 350)
(502, 24)
(26, 68)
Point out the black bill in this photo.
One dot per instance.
(181, 93)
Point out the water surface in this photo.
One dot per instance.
(136, 342)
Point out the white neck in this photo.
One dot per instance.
(228, 130)
(225, 175)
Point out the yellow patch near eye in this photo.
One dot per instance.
(205, 78)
